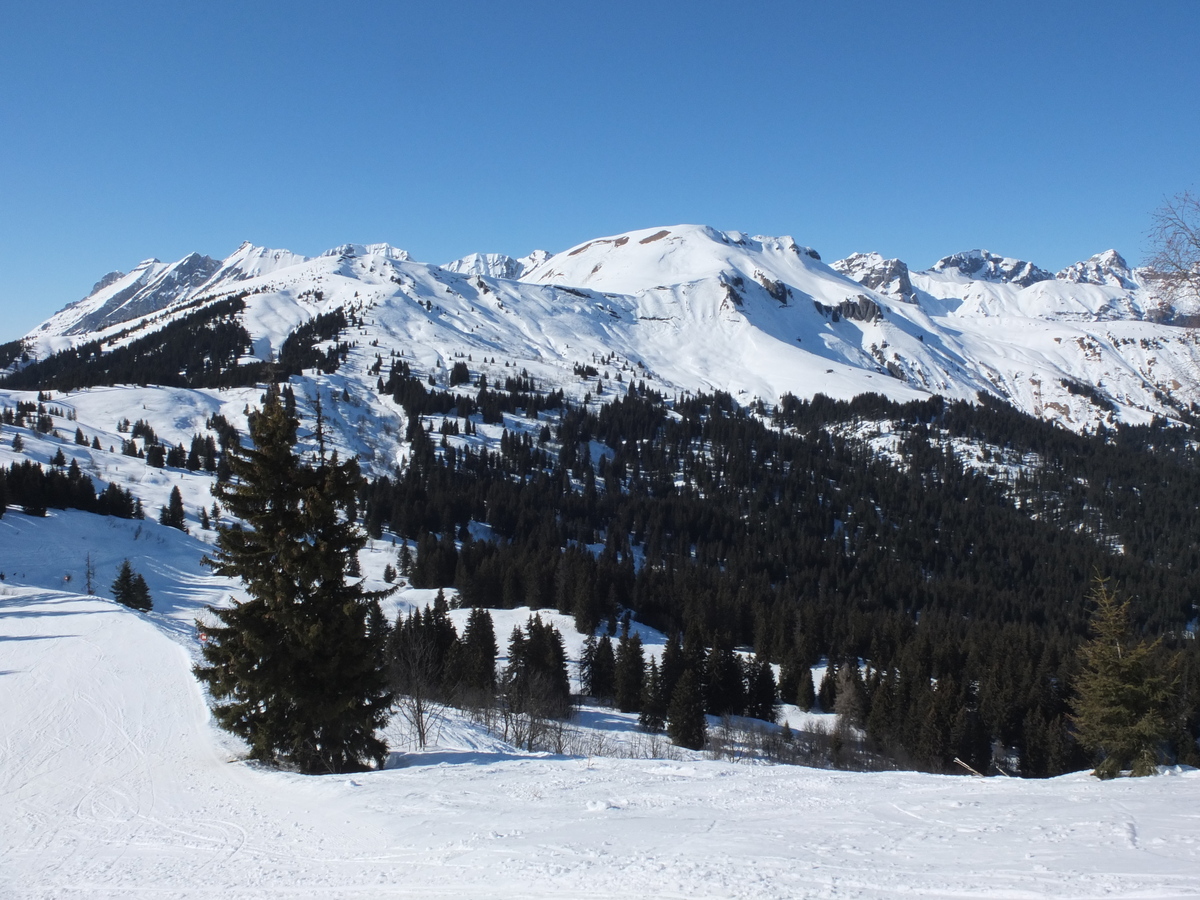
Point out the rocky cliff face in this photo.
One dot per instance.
(1107, 268)
(887, 276)
(983, 265)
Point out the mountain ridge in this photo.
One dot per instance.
(697, 308)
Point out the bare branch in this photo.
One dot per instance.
(1175, 239)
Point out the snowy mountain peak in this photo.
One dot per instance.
(497, 265)
(1107, 268)
(110, 278)
(887, 276)
(116, 298)
(983, 265)
(652, 258)
(489, 265)
(387, 251)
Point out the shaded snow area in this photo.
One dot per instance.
(114, 782)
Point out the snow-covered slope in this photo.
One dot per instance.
(114, 782)
(688, 307)
(116, 298)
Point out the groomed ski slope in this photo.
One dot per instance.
(115, 783)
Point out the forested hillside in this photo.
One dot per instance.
(853, 530)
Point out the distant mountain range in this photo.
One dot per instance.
(688, 308)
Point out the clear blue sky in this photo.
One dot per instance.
(1044, 130)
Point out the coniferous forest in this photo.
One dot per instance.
(937, 556)
(949, 599)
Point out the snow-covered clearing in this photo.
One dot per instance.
(114, 782)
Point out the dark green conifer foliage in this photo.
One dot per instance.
(600, 678)
(654, 702)
(172, 514)
(827, 694)
(479, 651)
(630, 673)
(726, 686)
(761, 700)
(851, 703)
(673, 663)
(806, 695)
(297, 670)
(536, 679)
(685, 717)
(1123, 694)
(129, 588)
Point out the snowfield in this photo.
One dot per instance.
(114, 782)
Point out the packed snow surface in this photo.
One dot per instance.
(114, 782)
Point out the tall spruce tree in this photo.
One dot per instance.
(599, 679)
(172, 514)
(654, 702)
(478, 653)
(630, 673)
(685, 717)
(1123, 695)
(129, 588)
(297, 670)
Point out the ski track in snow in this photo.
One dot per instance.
(114, 782)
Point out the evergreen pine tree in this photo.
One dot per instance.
(172, 514)
(536, 678)
(827, 694)
(654, 702)
(602, 675)
(726, 686)
(630, 673)
(297, 670)
(1123, 697)
(761, 700)
(479, 651)
(587, 657)
(685, 717)
(673, 663)
(806, 695)
(851, 702)
(129, 588)
(122, 586)
(141, 594)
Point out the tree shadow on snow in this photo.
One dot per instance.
(398, 759)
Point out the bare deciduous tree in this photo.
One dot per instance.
(1175, 246)
(416, 674)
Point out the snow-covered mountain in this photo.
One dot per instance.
(496, 265)
(688, 307)
(113, 776)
